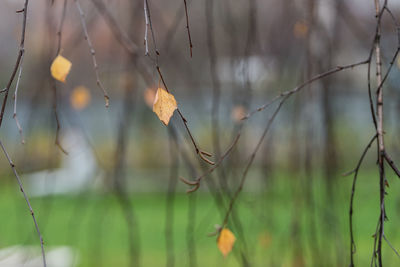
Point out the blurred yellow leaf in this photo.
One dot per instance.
(149, 95)
(264, 239)
(80, 97)
(60, 68)
(238, 113)
(300, 29)
(225, 241)
(164, 105)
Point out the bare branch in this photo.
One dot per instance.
(92, 52)
(379, 130)
(27, 201)
(146, 17)
(59, 32)
(15, 101)
(202, 154)
(119, 34)
(251, 159)
(391, 246)
(188, 29)
(304, 84)
(18, 61)
(353, 190)
(196, 182)
(391, 164)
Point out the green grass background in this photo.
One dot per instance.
(93, 223)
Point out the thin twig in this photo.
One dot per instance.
(373, 259)
(202, 154)
(150, 24)
(15, 101)
(59, 32)
(281, 97)
(58, 124)
(304, 84)
(390, 245)
(53, 83)
(18, 61)
(146, 18)
(93, 53)
(27, 201)
(391, 163)
(251, 159)
(7, 90)
(121, 36)
(188, 29)
(196, 182)
(353, 190)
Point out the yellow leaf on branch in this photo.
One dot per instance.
(225, 241)
(60, 68)
(164, 105)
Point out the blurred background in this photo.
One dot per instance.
(109, 194)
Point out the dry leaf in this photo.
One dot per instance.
(80, 97)
(225, 241)
(164, 105)
(60, 68)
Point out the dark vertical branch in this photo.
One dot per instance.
(216, 87)
(188, 29)
(170, 201)
(381, 145)
(212, 55)
(190, 241)
(120, 176)
(309, 134)
(191, 212)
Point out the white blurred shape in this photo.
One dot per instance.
(29, 256)
(76, 173)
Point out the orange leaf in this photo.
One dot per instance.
(80, 97)
(149, 95)
(238, 113)
(300, 29)
(398, 62)
(164, 105)
(60, 68)
(225, 241)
